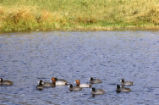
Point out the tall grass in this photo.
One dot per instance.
(35, 15)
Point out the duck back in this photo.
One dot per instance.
(6, 83)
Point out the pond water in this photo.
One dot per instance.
(25, 58)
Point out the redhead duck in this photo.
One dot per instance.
(40, 85)
(5, 82)
(59, 82)
(75, 88)
(97, 91)
(95, 81)
(122, 89)
(82, 85)
(126, 83)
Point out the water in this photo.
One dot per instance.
(27, 57)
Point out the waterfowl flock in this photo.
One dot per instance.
(122, 87)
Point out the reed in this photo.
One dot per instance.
(43, 15)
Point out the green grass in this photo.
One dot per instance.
(43, 15)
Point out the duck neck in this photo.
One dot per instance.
(54, 83)
(91, 79)
(93, 89)
(122, 80)
(40, 83)
(71, 86)
(118, 87)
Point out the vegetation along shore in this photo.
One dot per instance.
(75, 15)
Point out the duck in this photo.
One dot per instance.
(59, 82)
(95, 81)
(5, 82)
(40, 85)
(126, 83)
(97, 91)
(75, 88)
(82, 85)
(122, 89)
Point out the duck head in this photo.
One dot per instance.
(77, 82)
(71, 86)
(53, 79)
(91, 79)
(1, 79)
(122, 80)
(118, 90)
(118, 86)
(41, 82)
(93, 89)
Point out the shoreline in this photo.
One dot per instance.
(154, 29)
(92, 29)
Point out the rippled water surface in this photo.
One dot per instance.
(26, 58)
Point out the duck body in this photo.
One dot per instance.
(62, 80)
(126, 83)
(85, 85)
(122, 89)
(5, 82)
(75, 88)
(59, 82)
(97, 91)
(47, 84)
(39, 87)
(82, 85)
(95, 81)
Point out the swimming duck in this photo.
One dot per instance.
(122, 89)
(40, 85)
(75, 88)
(97, 91)
(126, 83)
(5, 82)
(59, 82)
(95, 81)
(82, 85)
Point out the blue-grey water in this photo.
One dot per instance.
(25, 58)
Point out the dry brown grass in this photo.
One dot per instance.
(79, 15)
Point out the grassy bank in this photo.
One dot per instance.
(37, 15)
